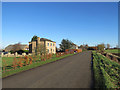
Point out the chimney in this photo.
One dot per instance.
(38, 40)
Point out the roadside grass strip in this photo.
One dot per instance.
(113, 51)
(33, 65)
(106, 72)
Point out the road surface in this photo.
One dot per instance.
(71, 72)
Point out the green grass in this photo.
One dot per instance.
(24, 68)
(105, 72)
(8, 60)
(113, 51)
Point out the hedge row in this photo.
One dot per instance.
(106, 72)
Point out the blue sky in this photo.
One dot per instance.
(89, 23)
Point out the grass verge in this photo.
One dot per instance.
(113, 51)
(106, 72)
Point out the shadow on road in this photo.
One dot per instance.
(92, 72)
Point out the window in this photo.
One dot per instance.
(51, 44)
(48, 44)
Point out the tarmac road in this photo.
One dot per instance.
(71, 72)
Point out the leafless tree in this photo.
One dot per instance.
(108, 46)
(86, 46)
(101, 46)
(117, 46)
(16, 47)
(41, 49)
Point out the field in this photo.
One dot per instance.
(106, 72)
(113, 51)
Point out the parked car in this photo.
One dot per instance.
(5, 53)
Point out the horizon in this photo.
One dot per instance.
(83, 23)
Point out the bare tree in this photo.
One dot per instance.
(86, 46)
(41, 49)
(81, 46)
(108, 46)
(101, 46)
(16, 47)
(117, 46)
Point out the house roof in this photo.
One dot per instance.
(44, 39)
(74, 44)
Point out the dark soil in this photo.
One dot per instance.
(117, 54)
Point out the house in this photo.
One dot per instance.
(74, 46)
(46, 43)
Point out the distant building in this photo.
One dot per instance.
(22, 47)
(48, 44)
(74, 46)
